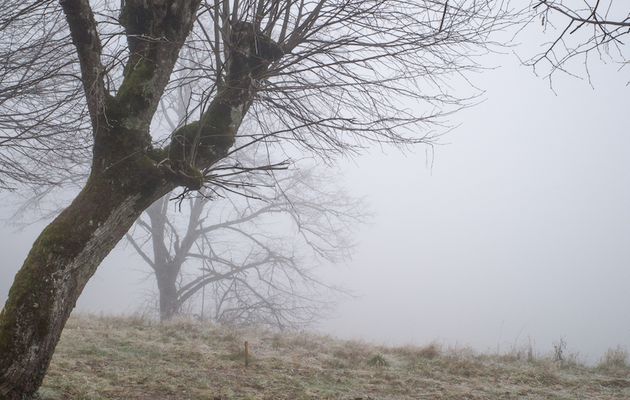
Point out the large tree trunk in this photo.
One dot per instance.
(61, 262)
(128, 174)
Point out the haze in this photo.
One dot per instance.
(514, 229)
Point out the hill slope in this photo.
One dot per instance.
(126, 358)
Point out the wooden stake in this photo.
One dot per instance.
(246, 353)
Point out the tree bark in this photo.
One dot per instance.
(128, 174)
(61, 262)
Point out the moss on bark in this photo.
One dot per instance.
(57, 268)
(125, 179)
(202, 143)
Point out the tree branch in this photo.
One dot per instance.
(139, 250)
(200, 144)
(84, 33)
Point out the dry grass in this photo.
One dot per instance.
(615, 360)
(132, 359)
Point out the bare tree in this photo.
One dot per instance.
(253, 275)
(327, 75)
(581, 31)
(250, 270)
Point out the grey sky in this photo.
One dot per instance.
(520, 229)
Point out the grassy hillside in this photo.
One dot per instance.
(117, 358)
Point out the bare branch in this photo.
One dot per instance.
(592, 26)
(85, 36)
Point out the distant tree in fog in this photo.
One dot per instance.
(249, 271)
(251, 254)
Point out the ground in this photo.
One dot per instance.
(133, 359)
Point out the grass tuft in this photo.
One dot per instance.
(378, 360)
(614, 359)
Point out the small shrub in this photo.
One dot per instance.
(616, 358)
(429, 351)
(378, 361)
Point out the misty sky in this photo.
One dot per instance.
(518, 231)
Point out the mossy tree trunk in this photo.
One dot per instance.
(127, 174)
(55, 272)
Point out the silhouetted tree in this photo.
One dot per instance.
(253, 274)
(249, 271)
